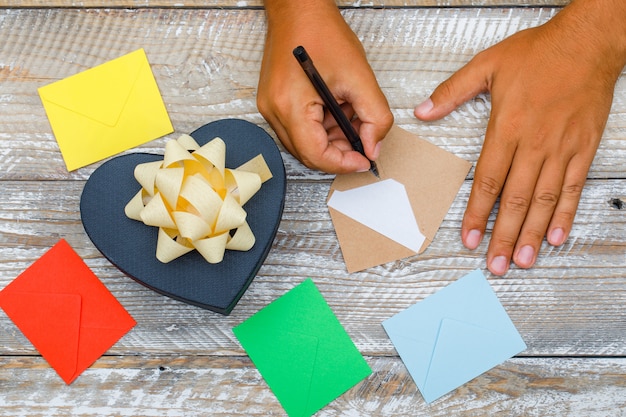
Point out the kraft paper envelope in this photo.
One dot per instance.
(105, 110)
(383, 206)
(432, 177)
(302, 351)
(65, 311)
(454, 335)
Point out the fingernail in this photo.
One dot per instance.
(473, 238)
(526, 256)
(499, 265)
(556, 236)
(424, 108)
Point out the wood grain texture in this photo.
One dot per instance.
(576, 310)
(259, 3)
(206, 63)
(186, 386)
(184, 361)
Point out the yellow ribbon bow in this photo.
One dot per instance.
(195, 201)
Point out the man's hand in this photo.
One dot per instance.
(551, 90)
(288, 101)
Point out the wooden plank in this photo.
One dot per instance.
(570, 303)
(203, 4)
(200, 386)
(206, 63)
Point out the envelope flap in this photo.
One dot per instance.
(464, 351)
(52, 324)
(99, 93)
(288, 375)
(98, 299)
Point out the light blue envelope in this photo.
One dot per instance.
(454, 336)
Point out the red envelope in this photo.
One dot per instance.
(65, 311)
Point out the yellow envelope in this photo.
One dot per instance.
(105, 110)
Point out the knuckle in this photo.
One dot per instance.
(387, 119)
(306, 161)
(572, 191)
(273, 100)
(546, 199)
(503, 241)
(537, 143)
(268, 107)
(481, 56)
(262, 105)
(475, 218)
(261, 102)
(487, 185)
(512, 126)
(565, 215)
(447, 88)
(516, 204)
(534, 235)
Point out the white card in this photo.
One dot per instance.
(382, 206)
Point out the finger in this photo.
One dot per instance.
(571, 190)
(302, 132)
(330, 122)
(467, 82)
(374, 117)
(335, 135)
(337, 139)
(544, 201)
(489, 177)
(316, 151)
(372, 134)
(515, 202)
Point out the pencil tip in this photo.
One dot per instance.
(374, 169)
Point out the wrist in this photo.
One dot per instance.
(315, 24)
(598, 24)
(288, 12)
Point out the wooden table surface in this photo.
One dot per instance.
(184, 361)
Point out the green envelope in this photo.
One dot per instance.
(302, 351)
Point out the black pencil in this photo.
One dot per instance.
(322, 89)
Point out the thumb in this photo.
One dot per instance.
(469, 81)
